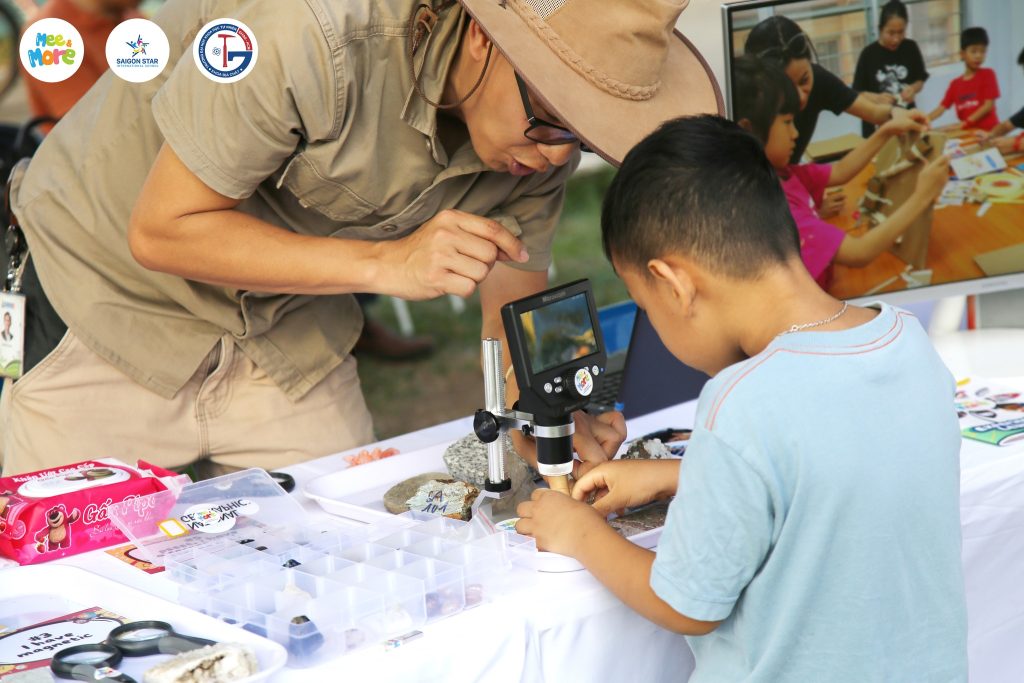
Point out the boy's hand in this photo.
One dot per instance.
(559, 523)
(598, 441)
(908, 94)
(624, 484)
(932, 179)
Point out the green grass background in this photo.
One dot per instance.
(404, 397)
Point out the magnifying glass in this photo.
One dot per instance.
(90, 662)
(143, 638)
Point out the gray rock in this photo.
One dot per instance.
(466, 460)
(646, 449)
(640, 520)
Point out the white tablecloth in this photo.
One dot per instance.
(567, 627)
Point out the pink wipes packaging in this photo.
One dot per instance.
(62, 511)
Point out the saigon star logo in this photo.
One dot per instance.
(146, 53)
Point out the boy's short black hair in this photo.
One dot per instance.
(699, 186)
(761, 90)
(975, 35)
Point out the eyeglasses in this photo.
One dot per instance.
(544, 132)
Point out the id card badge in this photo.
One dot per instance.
(12, 334)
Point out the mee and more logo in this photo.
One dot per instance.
(225, 50)
(137, 50)
(51, 50)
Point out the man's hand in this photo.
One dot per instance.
(624, 484)
(449, 254)
(559, 523)
(832, 204)
(932, 179)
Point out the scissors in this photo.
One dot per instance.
(97, 661)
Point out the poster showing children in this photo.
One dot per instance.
(990, 413)
(12, 317)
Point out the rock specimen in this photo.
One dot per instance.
(643, 519)
(446, 497)
(395, 498)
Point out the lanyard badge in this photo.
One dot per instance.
(12, 306)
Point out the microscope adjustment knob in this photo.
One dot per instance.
(579, 382)
(485, 425)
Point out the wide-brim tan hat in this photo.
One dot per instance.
(612, 70)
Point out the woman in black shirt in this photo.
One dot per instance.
(891, 71)
(781, 40)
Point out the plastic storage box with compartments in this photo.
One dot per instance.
(243, 550)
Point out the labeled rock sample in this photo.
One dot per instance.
(396, 497)
(446, 497)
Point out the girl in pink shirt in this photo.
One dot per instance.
(764, 103)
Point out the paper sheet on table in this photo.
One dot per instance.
(986, 161)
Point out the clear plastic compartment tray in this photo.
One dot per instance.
(241, 550)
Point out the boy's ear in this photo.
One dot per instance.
(673, 282)
(746, 125)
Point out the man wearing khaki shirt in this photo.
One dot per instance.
(201, 240)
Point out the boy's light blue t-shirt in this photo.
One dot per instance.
(818, 513)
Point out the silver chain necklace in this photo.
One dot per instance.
(823, 321)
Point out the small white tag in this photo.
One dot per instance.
(12, 334)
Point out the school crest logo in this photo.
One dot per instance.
(225, 50)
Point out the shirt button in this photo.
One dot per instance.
(389, 228)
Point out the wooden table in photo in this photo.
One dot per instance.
(958, 235)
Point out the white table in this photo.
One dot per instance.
(568, 627)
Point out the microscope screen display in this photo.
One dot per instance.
(558, 333)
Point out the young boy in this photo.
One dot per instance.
(998, 136)
(815, 531)
(765, 103)
(975, 93)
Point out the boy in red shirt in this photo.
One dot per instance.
(973, 94)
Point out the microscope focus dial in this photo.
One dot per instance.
(579, 382)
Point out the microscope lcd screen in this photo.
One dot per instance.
(558, 333)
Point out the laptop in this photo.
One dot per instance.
(644, 376)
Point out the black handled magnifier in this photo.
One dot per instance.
(90, 662)
(143, 638)
(284, 480)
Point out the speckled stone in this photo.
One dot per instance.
(646, 449)
(466, 460)
(645, 519)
